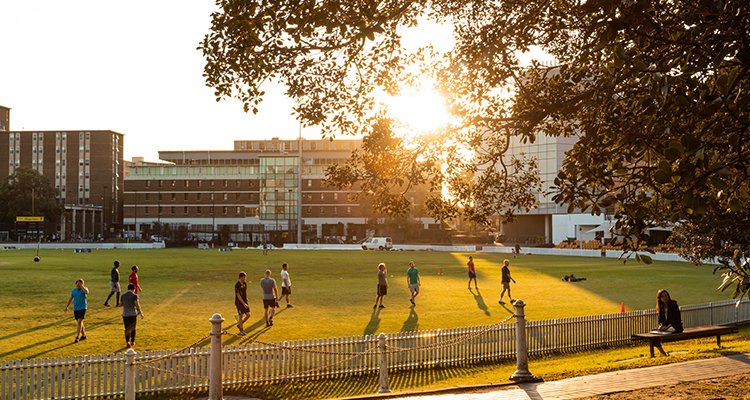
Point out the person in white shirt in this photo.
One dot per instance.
(286, 284)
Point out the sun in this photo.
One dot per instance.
(423, 111)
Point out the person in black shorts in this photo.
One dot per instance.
(114, 285)
(505, 281)
(78, 297)
(240, 301)
(382, 286)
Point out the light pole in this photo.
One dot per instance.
(213, 216)
(104, 208)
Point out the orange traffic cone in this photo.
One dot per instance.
(622, 308)
(441, 271)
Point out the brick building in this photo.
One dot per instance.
(263, 189)
(86, 168)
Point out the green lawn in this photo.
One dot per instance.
(333, 294)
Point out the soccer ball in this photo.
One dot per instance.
(36, 258)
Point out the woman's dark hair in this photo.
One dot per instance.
(658, 299)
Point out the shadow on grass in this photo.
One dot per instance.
(69, 336)
(412, 321)
(344, 386)
(480, 302)
(372, 326)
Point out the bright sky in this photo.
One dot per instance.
(131, 67)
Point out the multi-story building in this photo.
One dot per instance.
(4, 118)
(263, 189)
(86, 169)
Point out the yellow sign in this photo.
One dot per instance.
(29, 219)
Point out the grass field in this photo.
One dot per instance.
(333, 294)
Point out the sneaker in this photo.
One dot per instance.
(476, 287)
(501, 302)
(270, 321)
(512, 301)
(119, 305)
(375, 306)
(412, 301)
(242, 333)
(289, 305)
(76, 341)
(127, 344)
(268, 324)
(382, 306)
(106, 305)
(84, 337)
(469, 287)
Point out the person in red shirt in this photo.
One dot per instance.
(472, 272)
(133, 279)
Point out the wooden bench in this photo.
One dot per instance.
(656, 339)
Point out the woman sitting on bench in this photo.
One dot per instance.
(670, 319)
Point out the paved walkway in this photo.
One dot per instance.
(609, 382)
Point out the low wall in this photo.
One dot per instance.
(61, 245)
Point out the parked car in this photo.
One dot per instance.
(379, 243)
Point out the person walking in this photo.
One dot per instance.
(505, 280)
(270, 296)
(286, 284)
(472, 272)
(240, 301)
(131, 307)
(413, 281)
(79, 296)
(382, 286)
(114, 285)
(133, 279)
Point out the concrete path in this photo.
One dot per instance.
(609, 382)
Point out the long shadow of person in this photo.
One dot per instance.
(372, 326)
(412, 321)
(480, 302)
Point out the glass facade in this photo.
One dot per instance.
(279, 189)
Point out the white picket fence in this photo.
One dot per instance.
(252, 362)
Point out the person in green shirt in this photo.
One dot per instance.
(412, 280)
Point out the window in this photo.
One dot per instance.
(237, 210)
(309, 197)
(184, 197)
(237, 184)
(185, 210)
(211, 210)
(198, 210)
(348, 210)
(171, 211)
(335, 196)
(200, 184)
(198, 196)
(322, 210)
(174, 197)
(161, 197)
(211, 197)
(148, 199)
(225, 196)
(174, 183)
(309, 209)
(212, 183)
(187, 183)
(160, 210)
(225, 181)
(148, 184)
(147, 211)
(335, 210)
(161, 183)
(236, 197)
(309, 183)
(322, 196)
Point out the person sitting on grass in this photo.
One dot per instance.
(670, 319)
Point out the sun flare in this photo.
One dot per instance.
(422, 112)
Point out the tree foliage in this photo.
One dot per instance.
(16, 196)
(656, 92)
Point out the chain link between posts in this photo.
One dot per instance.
(372, 350)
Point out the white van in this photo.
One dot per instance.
(378, 243)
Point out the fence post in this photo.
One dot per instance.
(522, 373)
(383, 364)
(215, 390)
(130, 374)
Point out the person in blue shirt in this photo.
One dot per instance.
(78, 298)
